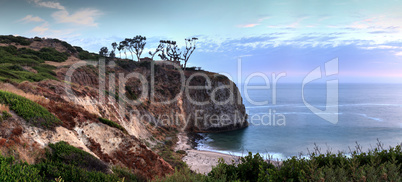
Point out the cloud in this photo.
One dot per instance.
(30, 18)
(41, 29)
(253, 24)
(82, 17)
(49, 4)
(248, 25)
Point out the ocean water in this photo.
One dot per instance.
(367, 113)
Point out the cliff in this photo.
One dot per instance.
(122, 112)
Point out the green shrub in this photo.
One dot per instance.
(184, 175)
(64, 153)
(376, 165)
(85, 55)
(51, 54)
(29, 110)
(68, 172)
(6, 115)
(112, 124)
(15, 39)
(46, 69)
(247, 170)
(126, 174)
(73, 164)
(181, 152)
(12, 60)
(12, 170)
(63, 163)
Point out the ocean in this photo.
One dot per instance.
(367, 113)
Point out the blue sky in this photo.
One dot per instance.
(293, 37)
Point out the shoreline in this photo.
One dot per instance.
(201, 161)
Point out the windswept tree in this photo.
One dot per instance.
(123, 47)
(103, 51)
(171, 51)
(129, 46)
(138, 44)
(160, 48)
(190, 47)
(114, 46)
(112, 54)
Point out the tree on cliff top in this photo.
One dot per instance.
(122, 47)
(171, 51)
(160, 48)
(138, 44)
(190, 47)
(103, 51)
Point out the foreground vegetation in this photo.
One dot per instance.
(376, 165)
(62, 163)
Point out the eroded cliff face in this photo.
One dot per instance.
(212, 103)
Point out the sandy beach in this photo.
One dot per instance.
(201, 161)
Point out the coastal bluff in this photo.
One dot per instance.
(123, 112)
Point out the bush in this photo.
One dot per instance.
(126, 174)
(64, 153)
(51, 54)
(12, 170)
(15, 39)
(112, 124)
(6, 115)
(52, 170)
(247, 170)
(85, 55)
(61, 165)
(29, 110)
(184, 175)
(73, 164)
(376, 165)
(12, 60)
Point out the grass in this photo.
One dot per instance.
(29, 110)
(112, 124)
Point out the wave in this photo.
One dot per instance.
(265, 155)
(293, 113)
(369, 117)
(323, 106)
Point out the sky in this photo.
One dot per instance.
(269, 37)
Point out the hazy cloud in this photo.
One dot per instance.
(253, 24)
(30, 18)
(248, 25)
(49, 4)
(82, 17)
(41, 29)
